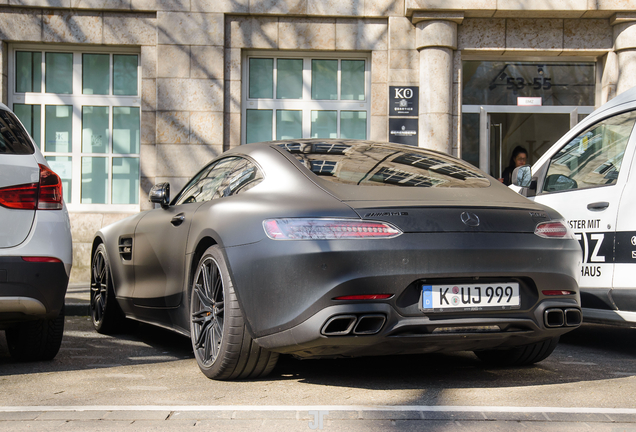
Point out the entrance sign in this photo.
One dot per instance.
(529, 101)
(557, 83)
(403, 131)
(403, 101)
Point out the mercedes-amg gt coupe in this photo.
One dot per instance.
(333, 248)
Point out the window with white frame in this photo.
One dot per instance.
(291, 96)
(83, 110)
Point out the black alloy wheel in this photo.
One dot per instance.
(207, 312)
(222, 346)
(106, 314)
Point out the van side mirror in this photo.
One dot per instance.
(522, 176)
(160, 194)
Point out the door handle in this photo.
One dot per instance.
(178, 219)
(598, 206)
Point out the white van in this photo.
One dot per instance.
(589, 176)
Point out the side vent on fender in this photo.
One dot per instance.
(125, 248)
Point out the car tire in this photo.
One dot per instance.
(222, 346)
(519, 356)
(106, 314)
(36, 340)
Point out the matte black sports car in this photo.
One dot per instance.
(332, 248)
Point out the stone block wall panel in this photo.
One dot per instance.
(188, 28)
(21, 25)
(130, 29)
(123, 5)
(148, 61)
(307, 33)
(335, 7)
(148, 94)
(379, 66)
(278, 7)
(401, 34)
(207, 62)
(175, 61)
(383, 8)
(252, 32)
(160, 5)
(172, 161)
(173, 127)
(482, 34)
(72, 27)
(206, 128)
(362, 35)
(534, 34)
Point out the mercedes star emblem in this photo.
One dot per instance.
(470, 219)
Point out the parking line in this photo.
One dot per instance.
(399, 408)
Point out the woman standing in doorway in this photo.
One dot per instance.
(519, 158)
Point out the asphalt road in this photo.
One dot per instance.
(149, 380)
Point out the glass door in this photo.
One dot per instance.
(534, 132)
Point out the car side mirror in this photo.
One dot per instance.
(160, 194)
(522, 176)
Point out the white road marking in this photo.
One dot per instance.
(399, 408)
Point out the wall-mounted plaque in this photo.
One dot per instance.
(403, 131)
(403, 101)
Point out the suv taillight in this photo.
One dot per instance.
(45, 195)
(50, 190)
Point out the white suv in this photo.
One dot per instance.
(35, 246)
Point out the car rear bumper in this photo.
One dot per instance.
(281, 284)
(387, 332)
(30, 290)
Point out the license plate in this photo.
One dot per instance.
(474, 297)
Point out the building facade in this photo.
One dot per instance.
(123, 94)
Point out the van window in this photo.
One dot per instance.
(593, 158)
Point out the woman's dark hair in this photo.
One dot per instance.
(516, 152)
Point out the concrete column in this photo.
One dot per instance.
(436, 40)
(625, 49)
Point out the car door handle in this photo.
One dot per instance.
(178, 219)
(598, 206)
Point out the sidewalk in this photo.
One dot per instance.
(77, 300)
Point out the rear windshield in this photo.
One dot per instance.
(382, 164)
(13, 138)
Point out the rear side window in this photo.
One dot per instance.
(225, 177)
(381, 164)
(593, 158)
(13, 138)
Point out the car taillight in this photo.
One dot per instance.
(553, 229)
(20, 197)
(50, 190)
(45, 195)
(327, 229)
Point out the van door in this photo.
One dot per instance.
(584, 180)
(624, 292)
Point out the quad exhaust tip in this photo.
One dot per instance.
(369, 324)
(559, 317)
(341, 325)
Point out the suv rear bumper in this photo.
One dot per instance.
(30, 290)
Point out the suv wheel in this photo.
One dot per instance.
(36, 340)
